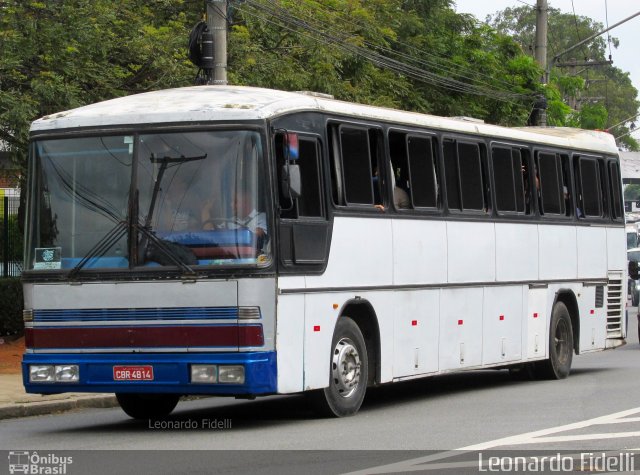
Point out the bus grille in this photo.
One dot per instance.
(614, 306)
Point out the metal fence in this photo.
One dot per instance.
(10, 237)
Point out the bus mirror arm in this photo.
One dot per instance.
(633, 270)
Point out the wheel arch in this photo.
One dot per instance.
(568, 298)
(363, 314)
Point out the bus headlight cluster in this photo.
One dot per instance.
(211, 374)
(68, 373)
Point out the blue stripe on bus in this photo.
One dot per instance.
(178, 313)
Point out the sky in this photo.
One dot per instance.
(625, 57)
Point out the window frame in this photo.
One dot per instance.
(485, 183)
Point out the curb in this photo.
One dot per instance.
(11, 411)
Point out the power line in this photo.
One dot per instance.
(286, 19)
(454, 68)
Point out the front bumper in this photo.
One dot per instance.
(171, 373)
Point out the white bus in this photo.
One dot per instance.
(243, 241)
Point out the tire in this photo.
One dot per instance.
(558, 366)
(348, 373)
(147, 406)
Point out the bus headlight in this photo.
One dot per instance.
(204, 373)
(41, 373)
(231, 374)
(68, 373)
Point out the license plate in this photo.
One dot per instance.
(133, 373)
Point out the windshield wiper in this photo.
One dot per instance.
(101, 247)
(131, 224)
(146, 229)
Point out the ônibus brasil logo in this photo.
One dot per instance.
(24, 461)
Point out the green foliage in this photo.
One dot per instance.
(67, 54)
(565, 30)
(15, 239)
(632, 192)
(11, 322)
(593, 116)
(59, 55)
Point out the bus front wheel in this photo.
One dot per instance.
(348, 373)
(147, 406)
(558, 365)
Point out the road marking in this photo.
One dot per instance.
(534, 437)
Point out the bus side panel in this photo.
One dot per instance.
(502, 325)
(516, 252)
(419, 252)
(416, 330)
(593, 321)
(460, 328)
(472, 252)
(537, 322)
(557, 252)
(616, 255)
(592, 262)
(290, 337)
(361, 255)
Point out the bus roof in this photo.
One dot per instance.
(235, 103)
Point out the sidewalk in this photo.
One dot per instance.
(14, 402)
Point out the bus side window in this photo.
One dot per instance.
(310, 202)
(423, 172)
(471, 177)
(617, 212)
(400, 167)
(548, 168)
(504, 178)
(465, 176)
(358, 170)
(590, 195)
(510, 175)
(451, 175)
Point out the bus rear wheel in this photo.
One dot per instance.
(558, 365)
(348, 373)
(147, 406)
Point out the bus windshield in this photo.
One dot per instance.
(143, 201)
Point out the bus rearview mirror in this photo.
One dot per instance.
(291, 183)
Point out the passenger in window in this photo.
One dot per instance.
(401, 198)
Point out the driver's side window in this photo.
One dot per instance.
(310, 203)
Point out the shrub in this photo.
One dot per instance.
(11, 307)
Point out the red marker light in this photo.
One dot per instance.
(414, 323)
(501, 317)
(316, 328)
(592, 311)
(535, 315)
(460, 322)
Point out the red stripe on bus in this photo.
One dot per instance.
(146, 337)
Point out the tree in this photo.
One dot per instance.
(565, 30)
(59, 55)
(632, 192)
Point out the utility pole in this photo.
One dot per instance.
(539, 114)
(542, 12)
(217, 23)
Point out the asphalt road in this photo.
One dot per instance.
(414, 425)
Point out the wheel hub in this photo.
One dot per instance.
(345, 367)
